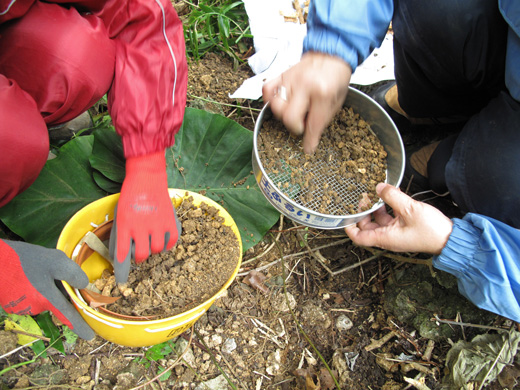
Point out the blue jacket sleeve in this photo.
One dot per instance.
(483, 254)
(350, 29)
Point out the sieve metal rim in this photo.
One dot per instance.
(344, 219)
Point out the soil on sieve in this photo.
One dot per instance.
(301, 295)
(182, 278)
(340, 178)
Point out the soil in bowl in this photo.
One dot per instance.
(339, 178)
(172, 282)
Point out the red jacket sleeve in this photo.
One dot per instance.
(148, 94)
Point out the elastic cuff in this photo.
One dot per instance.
(147, 162)
(458, 253)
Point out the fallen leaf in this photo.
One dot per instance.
(305, 379)
(95, 299)
(256, 279)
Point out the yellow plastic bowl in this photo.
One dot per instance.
(131, 333)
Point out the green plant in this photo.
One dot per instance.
(156, 353)
(216, 25)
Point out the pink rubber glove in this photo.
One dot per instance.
(27, 283)
(145, 221)
(416, 227)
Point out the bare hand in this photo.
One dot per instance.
(315, 90)
(416, 227)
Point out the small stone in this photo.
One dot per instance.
(344, 323)
(229, 346)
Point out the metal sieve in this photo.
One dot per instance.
(291, 200)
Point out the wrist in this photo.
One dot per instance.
(148, 163)
(443, 232)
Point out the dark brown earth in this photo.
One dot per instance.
(305, 300)
(340, 178)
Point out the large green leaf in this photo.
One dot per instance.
(107, 155)
(213, 154)
(63, 187)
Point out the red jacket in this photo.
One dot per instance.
(148, 94)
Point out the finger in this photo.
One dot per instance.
(382, 217)
(367, 224)
(67, 314)
(317, 120)
(122, 270)
(270, 88)
(295, 114)
(361, 237)
(120, 242)
(400, 202)
(142, 245)
(63, 268)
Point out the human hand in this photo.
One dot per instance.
(416, 227)
(27, 283)
(315, 90)
(145, 221)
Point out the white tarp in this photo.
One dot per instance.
(278, 46)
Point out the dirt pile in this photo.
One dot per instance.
(172, 282)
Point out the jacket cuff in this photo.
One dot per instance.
(459, 252)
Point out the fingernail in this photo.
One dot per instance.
(380, 187)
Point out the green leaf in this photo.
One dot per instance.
(50, 330)
(213, 154)
(223, 24)
(70, 336)
(63, 187)
(108, 157)
(39, 348)
(165, 376)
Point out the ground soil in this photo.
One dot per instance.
(202, 261)
(304, 300)
(340, 178)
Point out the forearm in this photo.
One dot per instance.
(148, 95)
(349, 30)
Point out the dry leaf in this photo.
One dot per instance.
(305, 379)
(95, 299)
(256, 279)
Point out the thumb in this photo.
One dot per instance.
(393, 197)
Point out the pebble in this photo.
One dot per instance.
(344, 323)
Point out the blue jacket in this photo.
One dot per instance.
(352, 29)
(484, 254)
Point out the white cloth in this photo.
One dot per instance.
(279, 45)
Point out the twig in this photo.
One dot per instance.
(17, 349)
(449, 322)
(427, 355)
(39, 337)
(382, 341)
(294, 255)
(222, 104)
(348, 268)
(269, 248)
(418, 385)
(506, 341)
